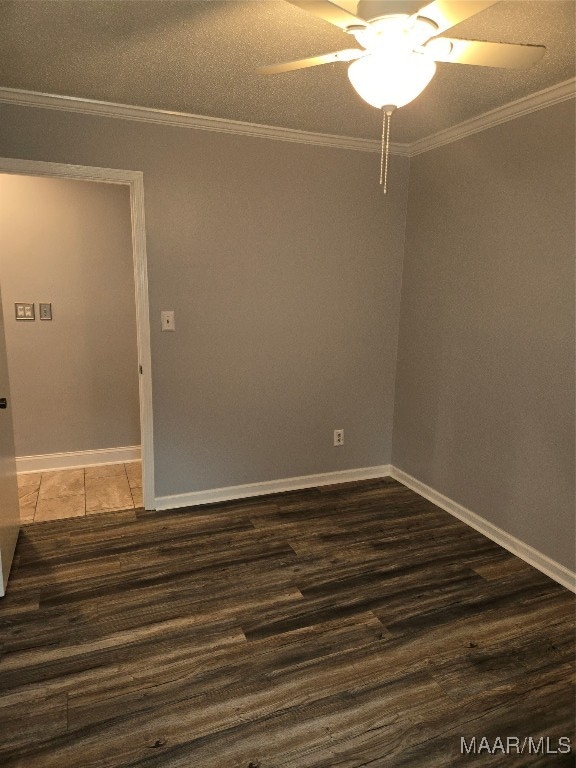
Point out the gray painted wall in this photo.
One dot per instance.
(484, 408)
(282, 262)
(74, 380)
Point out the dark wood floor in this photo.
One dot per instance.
(347, 626)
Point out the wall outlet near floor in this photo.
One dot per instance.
(338, 437)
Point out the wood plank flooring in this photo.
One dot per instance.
(339, 627)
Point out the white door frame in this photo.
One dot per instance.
(135, 180)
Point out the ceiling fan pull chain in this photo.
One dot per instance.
(385, 151)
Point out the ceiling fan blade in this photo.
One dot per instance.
(506, 55)
(448, 13)
(349, 5)
(349, 54)
(335, 13)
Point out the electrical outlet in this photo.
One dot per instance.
(167, 318)
(338, 437)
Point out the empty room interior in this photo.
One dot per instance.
(288, 384)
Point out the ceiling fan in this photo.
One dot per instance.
(400, 47)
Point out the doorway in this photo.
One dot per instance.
(133, 182)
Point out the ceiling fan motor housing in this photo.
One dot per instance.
(373, 9)
(397, 33)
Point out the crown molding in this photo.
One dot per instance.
(184, 120)
(524, 106)
(540, 100)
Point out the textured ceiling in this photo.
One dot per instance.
(200, 57)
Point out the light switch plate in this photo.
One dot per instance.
(24, 311)
(167, 318)
(45, 311)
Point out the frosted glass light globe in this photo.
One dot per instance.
(391, 79)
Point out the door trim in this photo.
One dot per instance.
(135, 181)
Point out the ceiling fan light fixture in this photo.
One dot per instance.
(384, 80)
(395, 32)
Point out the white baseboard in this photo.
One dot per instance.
(271, 486)
(551, 568)
(50, 461)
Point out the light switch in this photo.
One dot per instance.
(24, 311)
(45, 311)
(167, 317)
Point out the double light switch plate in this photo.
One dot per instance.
(24, 311)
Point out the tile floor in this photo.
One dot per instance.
(76, 492)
